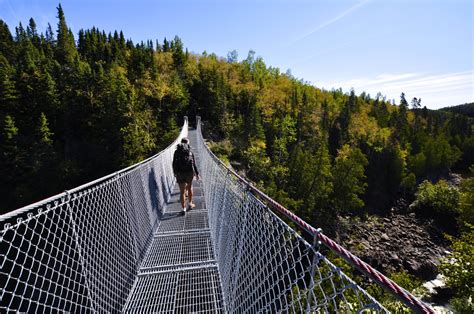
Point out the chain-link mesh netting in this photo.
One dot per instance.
(265, 266)
(80, 251)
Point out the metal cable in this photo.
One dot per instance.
(79, 251)
(282, 267)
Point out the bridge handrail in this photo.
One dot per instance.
(80, 250)
(389, 285)
(22, 210)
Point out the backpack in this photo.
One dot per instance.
(183, 159)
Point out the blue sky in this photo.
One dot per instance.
(424, 48)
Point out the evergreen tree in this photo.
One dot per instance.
(166, 45)
(7, 45)
(49, 36)
(8, 92)
(401, 120)
(110, 102)
(11, 163)
(65, 50)
(33, 35)
(320, 188)
(178, 53)
(352, 101)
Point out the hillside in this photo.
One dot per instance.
(74, 108)
(465, 109)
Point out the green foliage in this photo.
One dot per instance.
(458, 269)
(258, 162)
(286, 136)
(467, 151)
(229, 125)
(65, 49)
(8, 93)
(10, 131)
(45, 135)
(348, 179)
(466, 200)
(69, 115)
(108, 102)
(223, 149)
(138, 137)
(11, 159)
(436, 156)
(417, 164)
(315, 187)
(409, 182)
(437, 200)
(440, 155)
(403, 279)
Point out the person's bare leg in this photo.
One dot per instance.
(189, 187)
(182, 197)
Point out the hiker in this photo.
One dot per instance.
(184, 168)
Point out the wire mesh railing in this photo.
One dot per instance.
(266, 266)
(79, 251)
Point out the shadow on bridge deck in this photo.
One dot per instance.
(179, 272)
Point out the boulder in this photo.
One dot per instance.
(398, 242)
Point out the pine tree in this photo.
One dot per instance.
(7, 45)
(65, 50)
(8, 92)
(352, 101)
(10, 131)
(401, 120)
(166, 45)
(43, 145)
(49, 36)
(31, 29)
(320, 185)
(255, 123)
(177, 51)
(10, 163)
(284, 138)
(44, 131)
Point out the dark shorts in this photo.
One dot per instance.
(186, 177)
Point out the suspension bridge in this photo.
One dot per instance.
(121, 244)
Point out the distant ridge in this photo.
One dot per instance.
(466, 109)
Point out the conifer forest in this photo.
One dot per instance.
(77, 106)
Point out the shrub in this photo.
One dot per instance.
(439, 200)
(223, 150)
(403, 279)
(466, 200)
(408, 183)
(458, 269)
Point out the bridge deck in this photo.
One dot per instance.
(179, 272)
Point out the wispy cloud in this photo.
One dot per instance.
(436, 90)
(44, 19)
(333, 20)
(11, 10)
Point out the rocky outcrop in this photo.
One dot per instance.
(396, 242)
